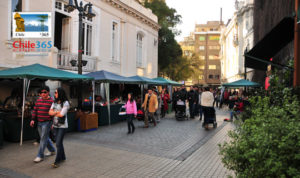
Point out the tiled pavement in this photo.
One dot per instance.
(172, 149)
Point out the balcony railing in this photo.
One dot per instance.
(64, 62)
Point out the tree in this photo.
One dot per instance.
(266, 142)
(42, 20)
(195, 63)
(170, 60)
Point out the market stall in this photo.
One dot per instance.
(36, 71)
(241, 83)
(107, 78)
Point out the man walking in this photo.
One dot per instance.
(150, 105)
(41, 115)
(191, 98)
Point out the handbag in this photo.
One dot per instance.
(61, 120)
(122, 111)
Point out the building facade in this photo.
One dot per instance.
(236, 37)
(121, 38)
(206, 47)
(267, 15)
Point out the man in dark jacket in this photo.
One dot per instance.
(191, 99)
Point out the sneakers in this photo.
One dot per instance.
(49, 153)
(38, 159)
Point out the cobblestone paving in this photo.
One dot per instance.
(172, 149)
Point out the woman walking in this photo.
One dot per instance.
(164, 102)
(131, 112)
(59, 110)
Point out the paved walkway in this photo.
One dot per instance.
(172, 149)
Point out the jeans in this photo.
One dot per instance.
(44, 130)
(151, 115)
(192, 109)
(234, 114)
(162, 111)
(130, 124)
(200, 112)
(60, 156)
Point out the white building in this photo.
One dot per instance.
(122, 38)
(236, 36)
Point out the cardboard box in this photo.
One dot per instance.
(88, 121)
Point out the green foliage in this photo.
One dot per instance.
(266, 143)
(170, 60)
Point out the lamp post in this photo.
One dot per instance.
(84, 11)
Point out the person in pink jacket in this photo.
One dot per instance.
(131, 112)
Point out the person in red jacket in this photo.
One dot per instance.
(238, 108)
(164, 102)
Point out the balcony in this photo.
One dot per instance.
(64, 62)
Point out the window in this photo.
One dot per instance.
(202, 57)
(213, 57)
(217, 76)
(212, 67)
(87, 38)
(202, 38)
(214, 38)
(65, 8)
(62, 7)
(210, 76)
(201, 47)
(139, 49)
(58, 5)
(202, 67)
(214, 47)
(186, 53)
(16, 5)
(115, 42)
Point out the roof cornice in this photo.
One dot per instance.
(134, 13)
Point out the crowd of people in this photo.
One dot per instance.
(51, 113)
(200, 99)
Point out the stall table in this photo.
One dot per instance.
(12, 128)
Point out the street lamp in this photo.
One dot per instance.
(84, 11)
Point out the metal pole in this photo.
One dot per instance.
(23, 109)
(80, 10)
(93, 83)
(296, 81)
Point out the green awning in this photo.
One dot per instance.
(167, 82)
(242, 83)
(145, 80)
(38, 71)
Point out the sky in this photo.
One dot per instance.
(200, 11)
